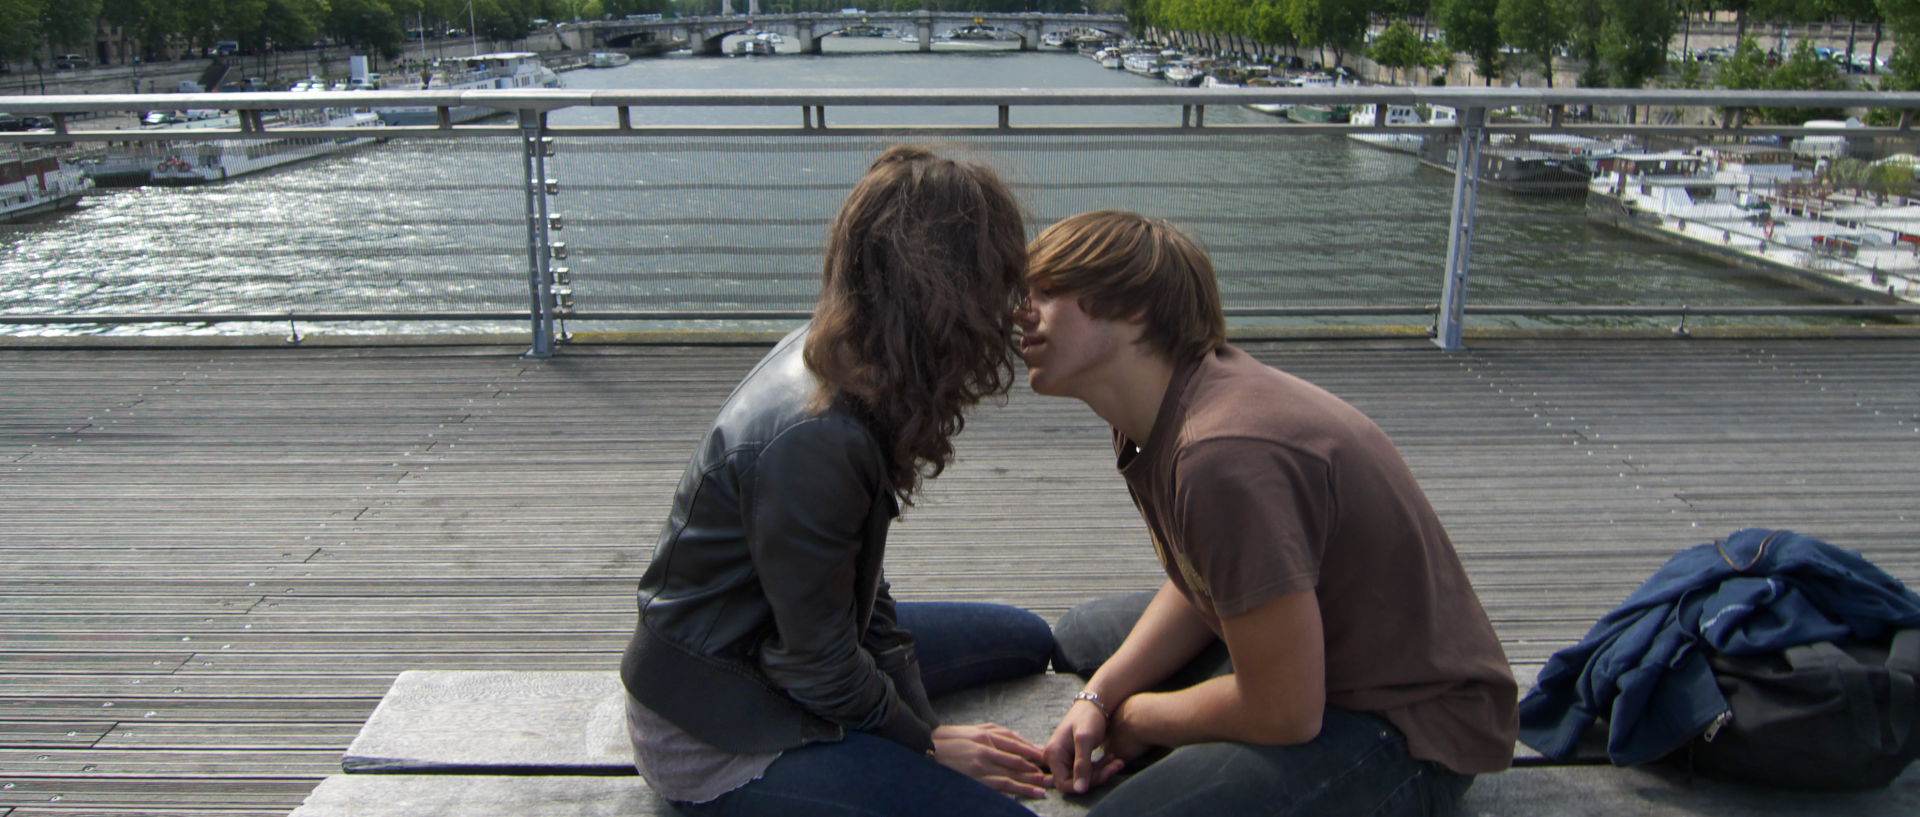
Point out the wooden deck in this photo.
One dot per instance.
(214, 561)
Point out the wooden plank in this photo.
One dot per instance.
(345, 515)
(39, 734)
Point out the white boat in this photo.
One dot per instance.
(1280, 109)
(1146, 65)
(910, 37)
(32, 186)
(1396, 116)
(1181, 72)
(130, 164)
(1216, 81)
(1750, 205)
(222, 159)
(506, 70)
(607, 59)
(770, 37)
(1054, 39)
(1107, 57)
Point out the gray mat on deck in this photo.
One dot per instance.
(1583, 791)
(575, 722)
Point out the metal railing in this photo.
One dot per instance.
(853, 122)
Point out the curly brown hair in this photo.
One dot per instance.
(923, 265)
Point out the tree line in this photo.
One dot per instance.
(30, 30)
(1617, 43)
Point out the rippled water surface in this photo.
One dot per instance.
(737, 222)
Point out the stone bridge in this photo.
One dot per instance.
(703, 34)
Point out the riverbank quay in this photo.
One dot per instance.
(217, 560)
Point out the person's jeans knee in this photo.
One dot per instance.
(1358, 765)
(962, 645)
(860, 776)
(1091, 633)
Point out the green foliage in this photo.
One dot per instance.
(20, 27)
(1536, 27)
(1337, 24)
(1689, 75)
(1398, 48)
(1268, 23)
(1472, 28)
(1747, 69)
(1633, 41)
(1804, 71)
(370, 25)
(68, 24)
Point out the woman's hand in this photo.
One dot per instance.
(1070, 750)
(994, 755)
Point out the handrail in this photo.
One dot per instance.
(555, 98)
(549, 100)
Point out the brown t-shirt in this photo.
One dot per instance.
(1256, 484)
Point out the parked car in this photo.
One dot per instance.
(62, 62)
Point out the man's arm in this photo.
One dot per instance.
(1168, 635)
(1275, 696)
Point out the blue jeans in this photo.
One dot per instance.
(1358, 765)
(960, 646)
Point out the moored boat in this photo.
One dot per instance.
(1752, 206)
(31, 186)
(753, 47)
(222, 159)
(1182, 73)
(1511, 166)
(1318, 113)
(1145, 64)
(1395, 116)
(506, 70)
(608, 59)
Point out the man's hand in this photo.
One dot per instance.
(1070, 750)
(994, 755)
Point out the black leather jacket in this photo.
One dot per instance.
(765, 621)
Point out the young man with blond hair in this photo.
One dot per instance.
(1316, 648)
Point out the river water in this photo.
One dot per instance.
(737, 222)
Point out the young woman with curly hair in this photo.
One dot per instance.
(772, 672)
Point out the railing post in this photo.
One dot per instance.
(535, 146)
(1466, 188)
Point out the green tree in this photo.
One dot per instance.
(1746, 69)
(1473, 29)
(69, 24)
(1584, 19)
(1803, 70)
(1535, 27)
(1398, 48)
(20, 28)
(368, 25)
(1634, 40)
(1336, 24)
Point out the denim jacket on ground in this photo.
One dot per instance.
(1644, 667)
